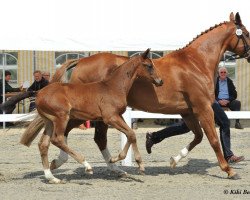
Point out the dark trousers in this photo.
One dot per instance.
(32, 106)
(234, 105)
(180, 128)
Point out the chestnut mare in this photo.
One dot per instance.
(188, 89)
(105, 100)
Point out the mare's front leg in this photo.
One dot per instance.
(101, 140)
(117, 122)
(206, 118)
(193, 124)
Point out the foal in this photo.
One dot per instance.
(105, 100)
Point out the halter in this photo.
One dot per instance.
(240, 35)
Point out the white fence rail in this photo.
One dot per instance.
(128, 116)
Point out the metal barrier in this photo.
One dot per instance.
(128, 116)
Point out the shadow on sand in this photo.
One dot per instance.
(193, 166)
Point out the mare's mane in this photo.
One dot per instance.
(202, 33)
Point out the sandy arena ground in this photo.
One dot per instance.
(196, 177)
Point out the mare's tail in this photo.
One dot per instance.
(60, 73)
(37, 124)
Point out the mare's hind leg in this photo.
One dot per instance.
(118, 122)
(63, 157)
(206, 118)
(57, 139)
(194, 126)
(101, 140)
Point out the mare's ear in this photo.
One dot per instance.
(145, 54)
(237, 19)
(231, 17)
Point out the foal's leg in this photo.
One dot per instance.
(101, 140)
(57, 139)
(194, 126)
(118, 122)
(43, 148)
(63, 157)
(206, 118)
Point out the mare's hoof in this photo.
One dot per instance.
(172, 163)
(234, 177)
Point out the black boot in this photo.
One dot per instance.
(149, 142)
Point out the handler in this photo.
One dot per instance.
(181, 128)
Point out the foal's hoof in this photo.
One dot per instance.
(53, 165)
(234, 177)
(172, 163)
(57, 181)
(141, 172)
(112, 160)
(89, 171)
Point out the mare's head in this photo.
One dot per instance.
(239, 42)
(148, 70)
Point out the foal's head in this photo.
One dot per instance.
(148, 70)
(240, 40)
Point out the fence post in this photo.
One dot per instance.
(127, 117)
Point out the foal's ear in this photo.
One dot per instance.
(231, 17)
(238, 19)
(145, 54)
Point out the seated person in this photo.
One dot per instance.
(226, 94)
(8, 87)
(46, 75)
(39, 83)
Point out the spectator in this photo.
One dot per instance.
(46, 76)
(8, 87)
(38, 84)
(226, 94)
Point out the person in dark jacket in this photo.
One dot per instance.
(8, 87)
(226, 94)
(39, 83)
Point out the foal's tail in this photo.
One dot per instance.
(37, 124)
(60, 73)
(32, 131)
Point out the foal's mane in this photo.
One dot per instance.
(127, 62)
(204, 32)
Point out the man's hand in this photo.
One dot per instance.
(223, 102)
